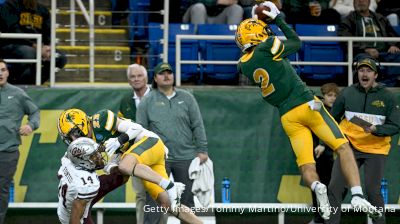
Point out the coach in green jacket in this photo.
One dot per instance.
(14, 104)
(175, 116)
(370, 140)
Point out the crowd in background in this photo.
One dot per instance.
(368, 18)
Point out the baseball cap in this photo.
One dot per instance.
(162, 67)
(367, 62)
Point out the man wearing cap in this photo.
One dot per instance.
(362, 22)
(175, 116)
(371, 116)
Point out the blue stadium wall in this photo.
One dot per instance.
(246, 143)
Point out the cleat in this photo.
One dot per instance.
(174, 195)
(323, 202)
(360, 204)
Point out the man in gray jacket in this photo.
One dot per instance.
(175, 116)
(14, 104)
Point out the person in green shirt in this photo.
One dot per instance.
(265, 62)
(14, 105)
(174, 115)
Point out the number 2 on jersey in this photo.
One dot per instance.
(260, 75)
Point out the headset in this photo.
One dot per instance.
(361, 57)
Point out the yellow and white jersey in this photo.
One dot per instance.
(146, 133)
(75, 184)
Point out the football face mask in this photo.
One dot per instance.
(86, 154)
(251, 32)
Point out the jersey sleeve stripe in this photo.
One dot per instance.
(278, 56)
(88, 195)
(275, 45)
(110, 120)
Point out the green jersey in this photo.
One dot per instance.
(104, 127)
(268, 66)
(104, 122)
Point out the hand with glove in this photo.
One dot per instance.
(319, 150)
(264, 9)
(113, 162)
(112, 145)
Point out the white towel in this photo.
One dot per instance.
(203, 184)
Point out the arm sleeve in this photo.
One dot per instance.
(32, 111)
(197, 126)
(345, 28)
(392, 122)
(105, 119)
(141, 113)
(293, 43)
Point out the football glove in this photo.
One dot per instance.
(253, 12)
(114, 161)
(274, 10)
(111, 145)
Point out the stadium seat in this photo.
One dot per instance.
(220, 50)
(138, 19)
(189, 48)
(320, 51)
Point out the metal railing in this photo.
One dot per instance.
(347, 63)
(89, 16)
(280, 208)
(38, 59)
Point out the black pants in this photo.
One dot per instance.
(21, 73)
(180, 170)
(8, 165)
(374, 166)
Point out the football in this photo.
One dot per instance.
(261, 15)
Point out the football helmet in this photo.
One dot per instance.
(250, 33)
(86, 154)
(72, 124)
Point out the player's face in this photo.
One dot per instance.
(366, 77)
(137, 79)
(165, 79)
(76, 133)
(3, 74)
(361, 5)
(329, 98)
(98, 159)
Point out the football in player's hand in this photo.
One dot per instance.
(261, 15)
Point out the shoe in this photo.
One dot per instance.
(175, 193)
(324, 207)
(360, 204)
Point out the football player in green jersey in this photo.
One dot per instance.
(265, 62)
(143, 155)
